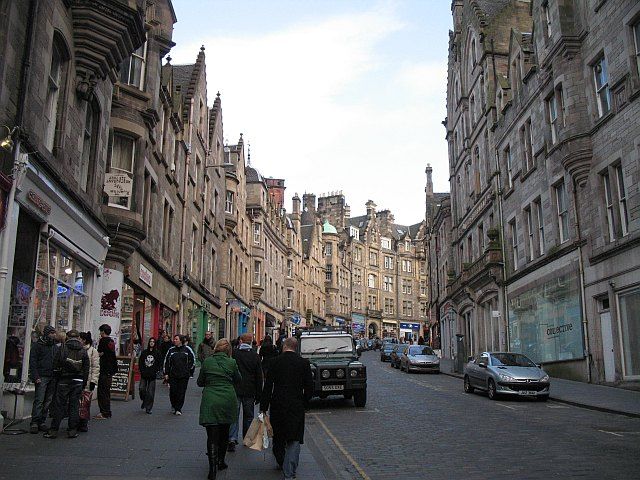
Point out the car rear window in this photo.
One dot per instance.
(421, 351)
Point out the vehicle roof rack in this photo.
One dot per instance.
(326, 329)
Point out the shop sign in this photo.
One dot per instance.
(40, 204)
(117, 184)
(146, 276)
(339, 320)
(111, 302)
(410, 326)
(357, 323)
(295, 319)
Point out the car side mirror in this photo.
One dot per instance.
(482, 365)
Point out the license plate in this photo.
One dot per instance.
(527, 392)
(328, 388)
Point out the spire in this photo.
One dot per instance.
(240, 141)
(429, 187)
(249, 153)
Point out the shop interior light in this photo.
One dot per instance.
(68, 271)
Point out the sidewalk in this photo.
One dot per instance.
(134, 445)
(580, 394)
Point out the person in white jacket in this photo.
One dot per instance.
(94, 374)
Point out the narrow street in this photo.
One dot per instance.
(414, 427)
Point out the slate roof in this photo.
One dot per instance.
(253, 176)
(306, 234)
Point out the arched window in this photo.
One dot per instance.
(89, 144)
(472, 108)
(56, 88)
(474, 57)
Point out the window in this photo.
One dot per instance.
(608, 197)
(636, 41)
(474, 57)
(329, 273)
(192, 257)
(373, 302)
(132, 69)
(357, 276)
(563, 213)
(552, 110)
(357, 254)
(516, 74)
(389, 306)
(90, 137)
(55, 94)
(290, 268)
(530, 233)
(526, 144)
(328, 249)
(228, 205)
(388, 262)
(513, 232)
(371, 280)
(289, 298)
(407, 246)
(540, 218)
(167, 225)
(387, 286)
(257, 275)
(547, 19)
(357, 300)
(480, 239)
(601, 79)
(385, 243)
(407, 308)
(214, 269)
(509, 165)
(123, 152)
(257, 233)
(354, 233)
(423, 287)
(407, 266)
(406, 286)
(373, 258)
(622, 201)
(148, 199)
(472, 109)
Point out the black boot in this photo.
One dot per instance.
(222, 452)
(211, 453)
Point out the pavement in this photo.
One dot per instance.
(134, 445)
(585, 395)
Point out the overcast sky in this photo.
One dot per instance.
(332, 95)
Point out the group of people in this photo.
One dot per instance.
(236, 378)
(66, 371)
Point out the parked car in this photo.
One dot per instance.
(377, 343)
(385, 351)
(396, 353)
(419, 358)
(506, 373)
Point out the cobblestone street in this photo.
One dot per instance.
(413, 427)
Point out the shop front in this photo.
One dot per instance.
(200, 317)
(239, 316)
(389, 329)
(409, 331)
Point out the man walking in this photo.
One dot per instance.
(248, 390)
(287, 390)
(179, 365)
(71, 363)
(41, 372)
(205, 349)
(149, 364)
(108, 367)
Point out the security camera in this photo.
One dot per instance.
(173, 168)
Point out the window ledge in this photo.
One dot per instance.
(527, 173)
(616, 247)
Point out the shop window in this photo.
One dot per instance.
(90, 137)
(629, 303)
(123, 152)
(132, 70)
(56, 84)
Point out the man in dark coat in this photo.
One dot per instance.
(287, 390)
(248, 390)
(41, 372)
(108, 367)
(179, 365)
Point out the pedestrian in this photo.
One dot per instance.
(267, 352)
(108, 367)
(149, 364)
(248, 390)
(163, 348)
(287, 390)
(179, 365)
(71, 364)
(205, 349)
(94, 376)
(218, 407)
(41, 373)
(421, 340)
(234, 344)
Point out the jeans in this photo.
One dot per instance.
(43, 399)
(104, 394)
(246, 405)
(177, 391)
(287, 455)
(67, 400)
(147, 390)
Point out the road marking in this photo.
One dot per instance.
(343, 450)
(375, 410)
(322, 413)
(557, 406)
(506, 406)
(611, 433)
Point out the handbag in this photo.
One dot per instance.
(85, 405)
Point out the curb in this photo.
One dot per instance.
(572, 402)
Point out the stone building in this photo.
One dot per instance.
(56, 93)
(542, 129)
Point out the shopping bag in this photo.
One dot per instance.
(252, 433)
(257, 437)
(85, 405)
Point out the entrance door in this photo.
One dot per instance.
(607, 347)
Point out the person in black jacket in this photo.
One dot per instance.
(287, 390)
(108, 367)
(71, 364)
(179, 365)
(41, 372)
(149, 364)
(248, 389)
(267, 352)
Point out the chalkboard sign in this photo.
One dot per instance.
(121, 381)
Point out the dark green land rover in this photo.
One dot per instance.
(335, 364)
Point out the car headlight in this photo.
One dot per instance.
(325, 374)
(506, 378)
(340, 373)
(545, 378)
(354, 373)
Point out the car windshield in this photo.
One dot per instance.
(421, 351)
(511, 360)
(400, 348)
(323, 345)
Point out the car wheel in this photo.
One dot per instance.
(360, 398)
(467, 385)
(543, 398)
(491, 390)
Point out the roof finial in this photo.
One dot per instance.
(249, 153)
(168, 60)
(218, 94)
(202, 48)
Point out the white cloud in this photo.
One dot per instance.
(289, 93)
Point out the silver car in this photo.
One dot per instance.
(419, 358)
(506, 373)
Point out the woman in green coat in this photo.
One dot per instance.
(219, 405)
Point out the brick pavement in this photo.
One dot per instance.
(134, 445)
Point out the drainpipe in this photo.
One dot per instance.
(583, 302)
(505, 310)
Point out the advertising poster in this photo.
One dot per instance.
(111, 302)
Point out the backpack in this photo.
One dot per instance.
(71, 361)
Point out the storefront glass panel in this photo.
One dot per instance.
(630, 332)
(545, 322)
